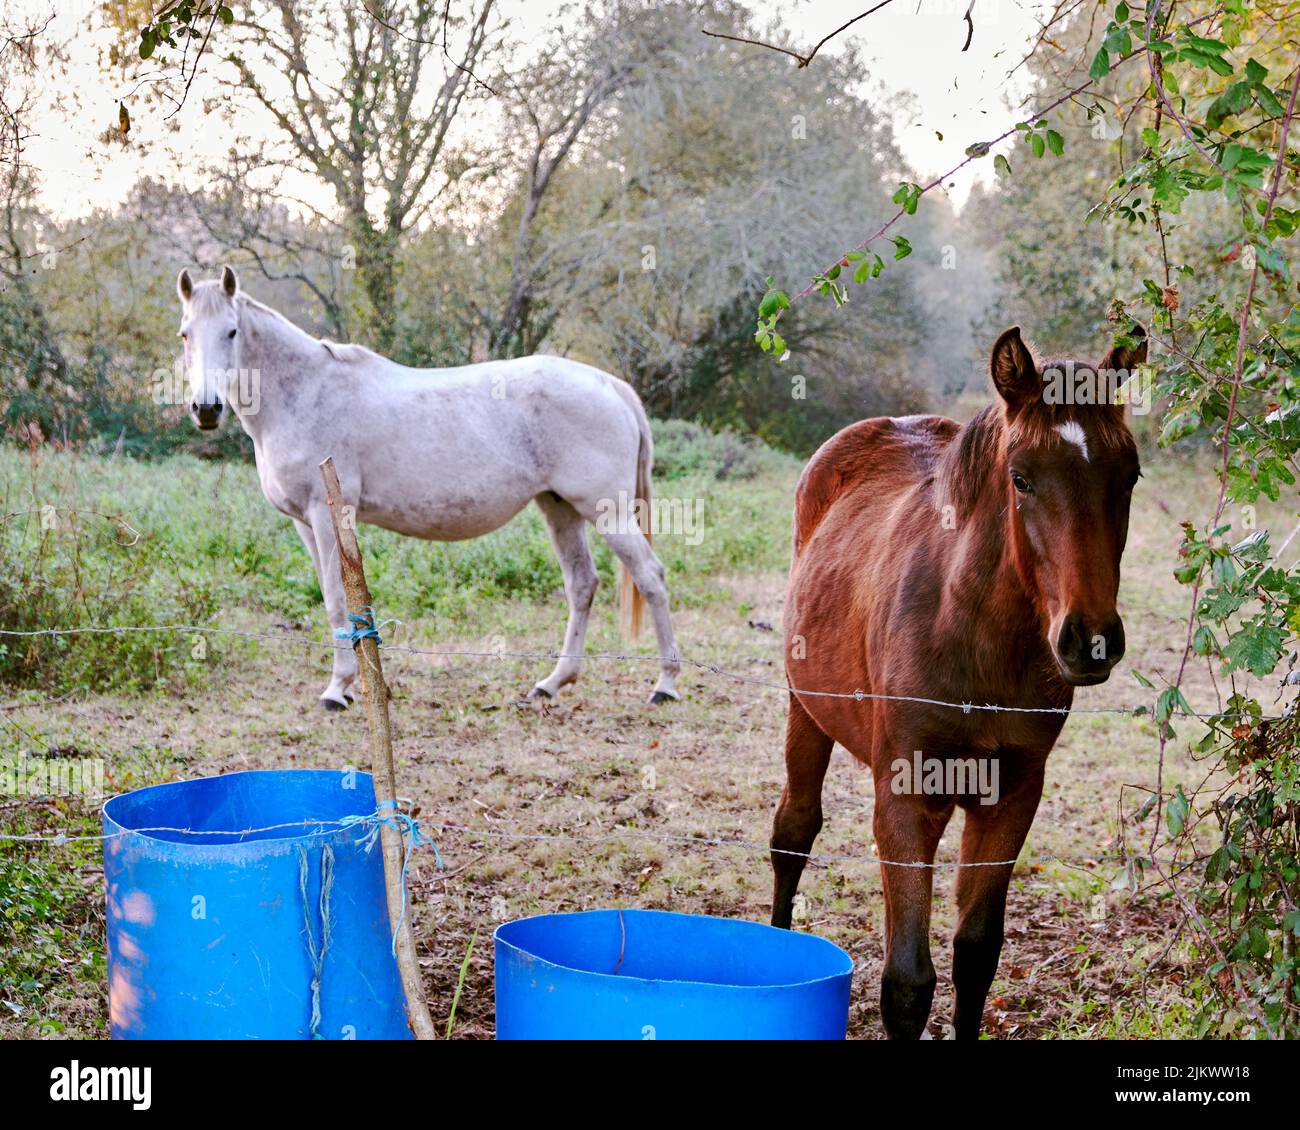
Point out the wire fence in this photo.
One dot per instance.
(1080, 862)
(1085, 862)
(714, 668)
(622, 836)
(1123, 859)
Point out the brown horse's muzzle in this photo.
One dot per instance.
(1086, 652)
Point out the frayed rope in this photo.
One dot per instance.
(363, 627)
(405, 826)
(317, 956)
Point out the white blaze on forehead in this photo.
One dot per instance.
(1073, 432)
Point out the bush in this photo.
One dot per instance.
(75, 570)
(684, 448)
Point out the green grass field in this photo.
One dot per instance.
(194, 543)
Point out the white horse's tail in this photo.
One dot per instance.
(631, 604)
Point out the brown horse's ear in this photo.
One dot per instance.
(1015, 373)
(229, 282)
(184, 286)
(1129, 351)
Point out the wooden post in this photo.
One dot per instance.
(375, 692)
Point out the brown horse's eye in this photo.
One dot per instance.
(1020, 482)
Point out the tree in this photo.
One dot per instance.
(363, 99)
(709, 172)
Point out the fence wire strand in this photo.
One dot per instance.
(698, 664)
(1081, 862)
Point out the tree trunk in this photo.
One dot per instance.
(377, 270)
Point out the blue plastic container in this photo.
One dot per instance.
(210, 937)
(654, 975)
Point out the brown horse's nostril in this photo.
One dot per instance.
(1113, 635)
(1090, 651)
(1071, 643)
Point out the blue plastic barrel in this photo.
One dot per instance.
(224, 936)
(655, 975)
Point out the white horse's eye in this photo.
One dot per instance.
(232, 333)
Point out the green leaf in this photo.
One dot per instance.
(1232, 101)
(1218, 865)
(1100, 65)
(1001, 166)
(773, 301)
(902, 248)
(1037, 144)
(1055, 142)
(908, 195)
(1203, 642)
(1170, 701)
(1176, 812)
(1258, 649)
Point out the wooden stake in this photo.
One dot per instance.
(375, 692)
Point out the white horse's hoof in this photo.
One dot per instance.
(660, 697)
(539, 691)
(331, 705)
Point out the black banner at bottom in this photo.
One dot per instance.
(396, 1079)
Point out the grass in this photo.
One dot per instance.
(1086, 955)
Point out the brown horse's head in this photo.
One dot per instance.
(1070, 468)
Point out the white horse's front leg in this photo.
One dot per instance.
(318, 536)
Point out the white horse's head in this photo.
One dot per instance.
(210, 331)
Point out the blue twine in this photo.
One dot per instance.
(405, 826)
(317, 956)
(363, 628)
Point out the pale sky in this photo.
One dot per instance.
(913, 49)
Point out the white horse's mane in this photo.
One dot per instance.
(343, 351)
(209, 294)
(340, 351)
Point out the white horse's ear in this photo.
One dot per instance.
(229, 282)
(184, 286)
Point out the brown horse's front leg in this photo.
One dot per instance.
(799, 813)
(907, 829)
(991, 833)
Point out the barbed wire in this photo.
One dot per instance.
(57, 839)
(636, 657)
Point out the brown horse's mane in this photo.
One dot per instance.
(981, 444)
(963, 469)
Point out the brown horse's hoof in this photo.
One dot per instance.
(333, 706)
(660, 697)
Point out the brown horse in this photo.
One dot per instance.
(965, 564)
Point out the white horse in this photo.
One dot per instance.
(445, 454)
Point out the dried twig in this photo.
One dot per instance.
(804, 60)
